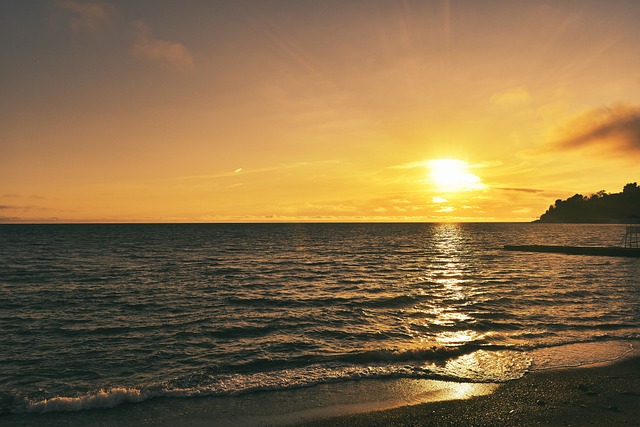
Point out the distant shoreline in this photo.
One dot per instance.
(599, 208)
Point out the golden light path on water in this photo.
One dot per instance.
(486, 370)
(451, 307)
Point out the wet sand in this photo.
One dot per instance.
(587, 396)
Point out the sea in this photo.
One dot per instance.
(239, 324)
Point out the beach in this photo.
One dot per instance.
(586, 396)
(594, 395)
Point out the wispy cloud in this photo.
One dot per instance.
(522, 211)
(520, 190)
(427, 164)
(512, 97)
(270, 169)
(613, 129)
(295, 54)
(23, 208)
(9, 219)
(148, 48)
(411, 165)
(85, 17)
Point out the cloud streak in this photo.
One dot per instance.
(243, 171)
(513, 97)
(520, 190)
(147, 48)
(615, 129)
(84, 17)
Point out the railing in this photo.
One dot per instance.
(632, 236)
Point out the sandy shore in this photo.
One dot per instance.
(591, 396)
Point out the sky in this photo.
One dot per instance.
(286, 110)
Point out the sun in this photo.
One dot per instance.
(452, 175)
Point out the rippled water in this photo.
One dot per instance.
(95, 315)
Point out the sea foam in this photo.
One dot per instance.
(479, 366)
(102, 399)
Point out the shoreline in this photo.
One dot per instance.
(600, 394)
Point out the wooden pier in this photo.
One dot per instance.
(631, 247)
(633, 252)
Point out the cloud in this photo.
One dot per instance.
(85, 17)
(512, 97)
(171, 53)
(426, 164)
(521, 190)
(400, 201)
(446, 209)
(270, 169)
(23, 208)
(522, 211)
(411, 165)
(615, 129)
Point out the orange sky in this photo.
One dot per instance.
(261, 110)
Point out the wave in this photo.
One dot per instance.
(365, 365)
(101, 399)
(435, 354)
(466, 363)
(396, 301)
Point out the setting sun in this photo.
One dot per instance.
(289, 111)
(453, 175)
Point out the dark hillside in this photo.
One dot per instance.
(600, 207)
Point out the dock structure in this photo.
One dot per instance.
(631, 246)
(632, 236)
(578, 250)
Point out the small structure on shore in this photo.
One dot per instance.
(632, 236)
(631, 246)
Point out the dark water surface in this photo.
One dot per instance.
(97, 315)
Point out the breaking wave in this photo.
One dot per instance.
(491, 367)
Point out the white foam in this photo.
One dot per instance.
(478, 366)
(222, 385)
(580, 354)
(101, 399)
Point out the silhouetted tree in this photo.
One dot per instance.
(631, 189)
(598, 208)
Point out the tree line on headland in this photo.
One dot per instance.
(600, 207)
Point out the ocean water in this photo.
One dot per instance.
(104, 316)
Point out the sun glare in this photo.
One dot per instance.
(453, 175)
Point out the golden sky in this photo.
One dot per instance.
(264, 110)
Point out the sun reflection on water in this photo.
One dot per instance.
(449, 318)
(485, 366)
(458, 338)
(445, 280)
